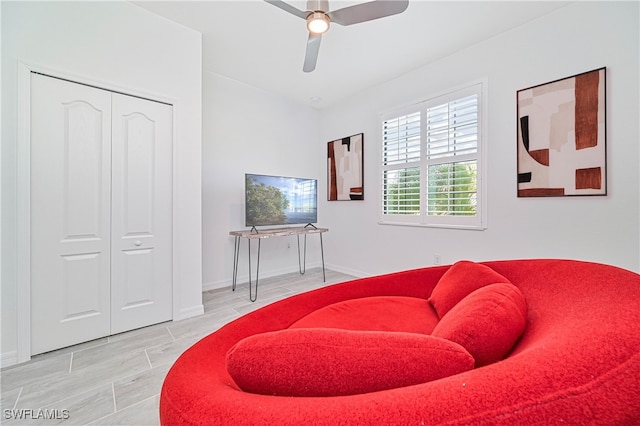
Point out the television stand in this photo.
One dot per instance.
(253, 234)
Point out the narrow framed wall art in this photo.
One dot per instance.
(345, 168)
(562, 137)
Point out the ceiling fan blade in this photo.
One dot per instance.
(311, 57)
(368, 11)
(288, 8)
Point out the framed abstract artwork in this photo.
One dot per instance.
(562, 137)
(345, 169)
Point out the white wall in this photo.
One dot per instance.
(247, 130)
(577, 38)
(119, 46)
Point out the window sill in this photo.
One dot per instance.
(434, 225)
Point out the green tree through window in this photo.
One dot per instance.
(452, 189)
(266, 205)
(402, 194)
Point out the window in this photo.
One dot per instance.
(431, 162)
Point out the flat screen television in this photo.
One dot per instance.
(280, 200)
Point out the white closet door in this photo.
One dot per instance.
(141, 278)
(70, 213)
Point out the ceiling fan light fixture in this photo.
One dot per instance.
(318, 22)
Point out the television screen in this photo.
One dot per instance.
(279, 200)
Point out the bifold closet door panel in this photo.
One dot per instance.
(141, 274)
(70, 213)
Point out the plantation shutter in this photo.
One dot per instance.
(452, 136)
(401, 161)
(430, 162)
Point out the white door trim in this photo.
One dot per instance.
(23, 189)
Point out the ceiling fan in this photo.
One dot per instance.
(318, 18)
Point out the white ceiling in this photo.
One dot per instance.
(258, 44)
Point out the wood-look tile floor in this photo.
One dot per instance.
(116, 380)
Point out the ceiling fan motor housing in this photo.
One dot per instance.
(318, 5)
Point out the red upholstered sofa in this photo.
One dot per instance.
(576, 362)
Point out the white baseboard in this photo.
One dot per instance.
(190, 312)
(214, 285)
(348, 271)
(8, 359)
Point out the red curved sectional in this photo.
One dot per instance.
(576, 361)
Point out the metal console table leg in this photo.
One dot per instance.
(236, 258)
(302, 265)
(252, 297)
(324, 277)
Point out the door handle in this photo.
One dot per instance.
(138, 243)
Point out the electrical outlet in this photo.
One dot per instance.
(288, 245)
(437, 259)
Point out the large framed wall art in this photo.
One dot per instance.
(345, 169)
(562, 137)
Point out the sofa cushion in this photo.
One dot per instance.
(487, 322)
(333, 362)
(461, 279)
(376, 313)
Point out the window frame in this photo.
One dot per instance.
(476, 222)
